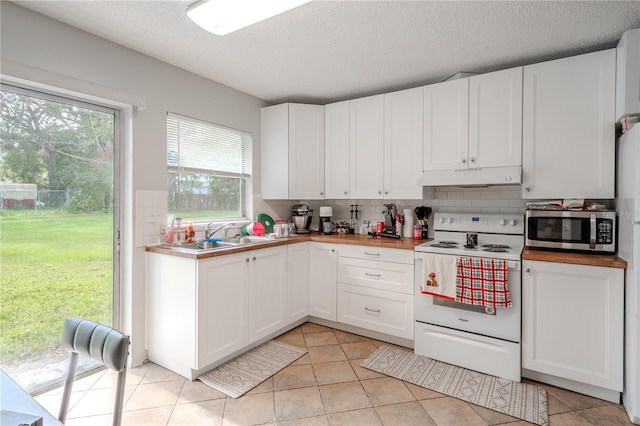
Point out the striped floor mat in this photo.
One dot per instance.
(521, 400)
(244, 372)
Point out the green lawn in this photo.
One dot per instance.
(53, 265)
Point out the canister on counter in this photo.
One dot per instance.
(417, 232)
(380, 228)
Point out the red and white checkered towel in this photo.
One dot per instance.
(482, 282)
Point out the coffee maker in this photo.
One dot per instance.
(301, 217)
(325, 218)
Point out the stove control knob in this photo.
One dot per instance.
(442, 220)
(503, 222)
(513, 222)
(450, 220)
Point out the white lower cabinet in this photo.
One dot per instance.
(323, 275)
(201, 311)
(572, 335)
(222, 307)
(267, 291)
(197, 310)
(375, 289)
(378, 310)
(297, 297)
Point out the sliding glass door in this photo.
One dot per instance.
(58, 228)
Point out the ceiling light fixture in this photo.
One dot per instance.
(222, 17)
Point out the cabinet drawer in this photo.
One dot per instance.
(377, 310)
(395, 277)
(376, 253)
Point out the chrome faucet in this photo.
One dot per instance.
(225, 226)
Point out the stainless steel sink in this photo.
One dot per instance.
(246, 239)
(205, 245)
(226, 243)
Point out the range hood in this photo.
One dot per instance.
(472, 177)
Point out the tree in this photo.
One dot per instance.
(57, 146)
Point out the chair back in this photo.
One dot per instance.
(103, 344)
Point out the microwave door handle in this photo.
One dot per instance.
(592, 237)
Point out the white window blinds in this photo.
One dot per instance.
(197, 146)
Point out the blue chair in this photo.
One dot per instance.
(103, 344)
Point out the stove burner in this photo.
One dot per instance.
(496, 246)
(444, 245)
(495, 249)
(447, 242)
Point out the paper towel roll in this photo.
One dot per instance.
(409, 221)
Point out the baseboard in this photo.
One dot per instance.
(362, 332)
(583, 388)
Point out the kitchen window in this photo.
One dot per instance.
(208, 169)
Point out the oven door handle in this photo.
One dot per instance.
(592, 236)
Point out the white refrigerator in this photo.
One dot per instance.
(628, 210)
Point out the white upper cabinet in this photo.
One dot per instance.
(336, 150)
(446, 125)
(292, 152)
(568, 127)
(495, 119)
(366, 147)
(403, 144)
(474, 122)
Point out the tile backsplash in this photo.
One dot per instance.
(493, 199)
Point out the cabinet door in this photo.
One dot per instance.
(297, 299)
(403, 144)
(323, 276)
(446, 125)
(223, 306)
(572, 321)
(366, 147)
(336, 150)
(495, 119)
(274, 155)
(568, 127)
(267, 287)
(306, 152)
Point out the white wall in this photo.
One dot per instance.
(53, 51)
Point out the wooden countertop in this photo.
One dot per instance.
(357, 239)
(588, 259)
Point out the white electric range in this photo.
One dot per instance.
(484, 339)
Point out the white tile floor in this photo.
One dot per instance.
(325, 387)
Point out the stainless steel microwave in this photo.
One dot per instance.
(571, 230)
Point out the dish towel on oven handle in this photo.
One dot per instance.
(483, 282)
(439, 275)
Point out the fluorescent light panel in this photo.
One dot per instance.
(222, 17)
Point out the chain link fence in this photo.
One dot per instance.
(43, 199)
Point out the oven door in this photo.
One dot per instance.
(501, 323)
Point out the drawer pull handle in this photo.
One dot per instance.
(372, 275)
(377, 311)
(371, 254)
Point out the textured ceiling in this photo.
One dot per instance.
(326, 51)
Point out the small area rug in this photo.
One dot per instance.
(244, 372)
(521, 400)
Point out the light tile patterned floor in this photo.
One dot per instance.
(325, 387)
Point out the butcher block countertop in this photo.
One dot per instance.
(358, 239)
(588, 259)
